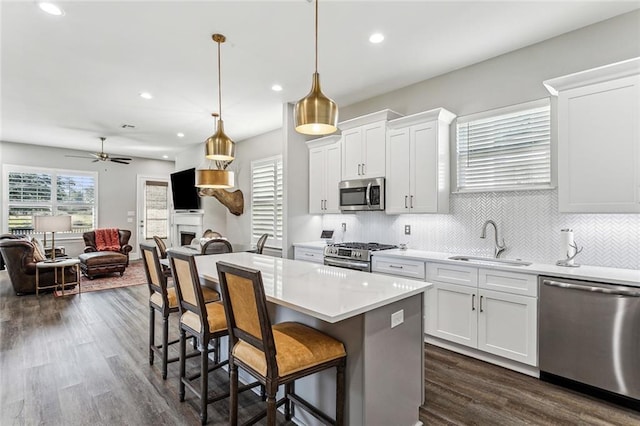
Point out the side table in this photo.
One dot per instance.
(58, 266)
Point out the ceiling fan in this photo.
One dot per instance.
(103, 156)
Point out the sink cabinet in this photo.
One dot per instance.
(599, 139)
(417, 163)
(363, 145)
(491, 310)
(324, 175)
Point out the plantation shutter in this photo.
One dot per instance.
(506, 149)
(266, 199)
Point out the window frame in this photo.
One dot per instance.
(53, 202)
(497, 112)
(273, 241)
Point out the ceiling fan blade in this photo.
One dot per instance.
(96, 160)
(120, 158)
(118, 161)
(79, 156)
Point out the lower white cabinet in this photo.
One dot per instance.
(401, 267)
(308, 254)
(502, 323)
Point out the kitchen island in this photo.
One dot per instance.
(385, 373)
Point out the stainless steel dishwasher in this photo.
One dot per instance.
(590, 333)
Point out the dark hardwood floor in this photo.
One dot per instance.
(83, 360)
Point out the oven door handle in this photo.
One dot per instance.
(346, 264)
(369, 194)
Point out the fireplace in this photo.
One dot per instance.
(186, 227)
(186, 237)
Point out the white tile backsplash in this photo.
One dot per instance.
(528, 221)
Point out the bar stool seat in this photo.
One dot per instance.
(298, 347)
(210, 295)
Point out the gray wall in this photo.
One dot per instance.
(117, 182)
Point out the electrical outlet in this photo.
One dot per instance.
(344, 227)
(407, 230)
(397, 318)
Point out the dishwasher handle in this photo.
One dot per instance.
(593, 289)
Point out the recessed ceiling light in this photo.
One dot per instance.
(376, 38)
(146, 95)
(180, 135)
(165, 156)
(276, 88)
(51, 8)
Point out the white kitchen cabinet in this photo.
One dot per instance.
(363, 145)
(417, 163)
(324, 175)
(599, 139)
(463, 307)
(309, 254)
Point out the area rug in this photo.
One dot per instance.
(133, 275)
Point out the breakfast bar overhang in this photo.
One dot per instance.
(385, 363)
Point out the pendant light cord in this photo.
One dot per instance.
(219, 84)
(316, 36)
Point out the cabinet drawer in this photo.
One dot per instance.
(309, 255)
(508, 282)
(401, 267)
(454, 274)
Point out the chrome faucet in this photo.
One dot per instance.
(499, 248)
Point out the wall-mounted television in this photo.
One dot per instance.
(184, 191)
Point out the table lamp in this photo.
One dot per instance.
(52, 224)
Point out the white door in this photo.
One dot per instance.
(398, 154)
(316, 180)
(332, 178)
(507, 326)
(373, 149)
(424, 169)
(455, 314)
(153, 210)
(352, 154)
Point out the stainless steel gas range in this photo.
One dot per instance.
(352, 255)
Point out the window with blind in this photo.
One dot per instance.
(266, 200)
(156, 209)
(506, 149)
(33, 192)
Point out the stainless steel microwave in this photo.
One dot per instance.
(362, 194)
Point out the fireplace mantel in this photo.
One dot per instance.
(185, 222)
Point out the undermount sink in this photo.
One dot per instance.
(490, 261)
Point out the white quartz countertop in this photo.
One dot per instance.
(629, 277)
(325, 292)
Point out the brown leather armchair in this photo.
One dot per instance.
(125, 248)
(18, 257)
(94, 262)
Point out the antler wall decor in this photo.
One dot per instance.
(234, 201)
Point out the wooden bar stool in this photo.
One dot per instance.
(163, 300)
(274, 354)
(204, 321)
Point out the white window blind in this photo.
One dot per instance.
(506, 149)
(33, 192)
(266, 200)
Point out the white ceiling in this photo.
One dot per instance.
(68, 80)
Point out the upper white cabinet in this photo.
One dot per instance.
(417, 163)
(363, 145)
(324, 174)
(599, 139)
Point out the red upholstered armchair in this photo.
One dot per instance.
(124, 234)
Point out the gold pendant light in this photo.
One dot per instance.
(214, 178)
(219, 146)
(316, 114)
